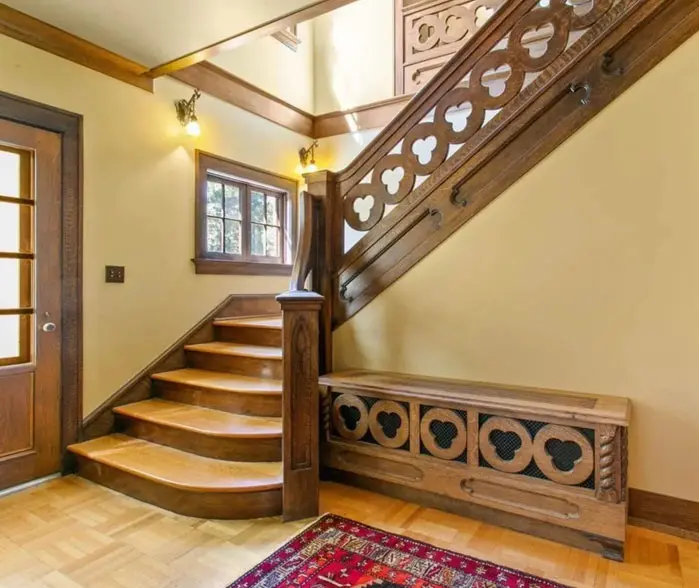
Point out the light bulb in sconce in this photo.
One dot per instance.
(193, 128)
(187, 114)
(307, 160)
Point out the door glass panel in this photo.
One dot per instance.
(9, 227)
(9, 174)
(10, 280)
(9, 336)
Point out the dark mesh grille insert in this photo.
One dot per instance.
(444, 432)
(350, 415)
(563, 454)
(506, 444)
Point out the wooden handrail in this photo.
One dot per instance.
(304, 246)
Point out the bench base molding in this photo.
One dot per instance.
(604, 546)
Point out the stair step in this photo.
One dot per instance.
(237, 350)
(263, 322)
(221, 391)
(182, 482)
(264, 330)
(236, 358)
(179, 469)
(221, 381)
(205, 421)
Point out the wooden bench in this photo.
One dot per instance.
(539, 461)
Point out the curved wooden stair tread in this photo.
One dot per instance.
(251, 322)
(180, 470)
(205, 421)
(221, 381)
(237, 349)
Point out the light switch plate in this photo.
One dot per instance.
(115, 274)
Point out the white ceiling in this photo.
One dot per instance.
(151, 32)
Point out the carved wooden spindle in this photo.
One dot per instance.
(609, 464)
(300, 404)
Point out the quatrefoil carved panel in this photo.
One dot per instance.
(350, 417)
(389, 423)
(563, 454)
(494, 82)
(443, 433)
(555, 448)
(521, 457)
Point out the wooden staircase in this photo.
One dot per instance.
(209, 443)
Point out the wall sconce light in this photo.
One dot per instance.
(187, 114)
(307, 159)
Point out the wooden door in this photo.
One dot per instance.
(30, 303)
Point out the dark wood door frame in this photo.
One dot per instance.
(69, 126)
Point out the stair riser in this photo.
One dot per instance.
(250, 336)
(230, 449)
(268, 405)
(236, 364)
(205, 505)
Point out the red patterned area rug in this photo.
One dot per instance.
(339, 553)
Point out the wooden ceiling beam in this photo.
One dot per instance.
(263, 30)
(219, 83)
(35, 32)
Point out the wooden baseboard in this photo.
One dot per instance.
(666, 514)
(101, 421)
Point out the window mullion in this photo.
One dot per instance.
(245, 214)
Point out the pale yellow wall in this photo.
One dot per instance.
(583, 276)
(354, 55)
(139, 206)
(275, 68)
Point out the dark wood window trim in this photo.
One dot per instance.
(246, 178)
(69, 127)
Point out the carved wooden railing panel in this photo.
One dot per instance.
(590, 58)
(300, 403)
(554, 457)
(504, 53)
(429, 33)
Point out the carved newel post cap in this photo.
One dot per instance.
(300, 298)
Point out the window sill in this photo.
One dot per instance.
(251, 268)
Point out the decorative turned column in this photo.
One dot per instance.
(300, 403)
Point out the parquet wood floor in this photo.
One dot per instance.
(70, 533)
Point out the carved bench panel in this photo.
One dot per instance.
(556, 457)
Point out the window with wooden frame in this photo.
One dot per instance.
(243, 218)
(16, 256)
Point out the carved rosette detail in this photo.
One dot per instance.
(394, 176)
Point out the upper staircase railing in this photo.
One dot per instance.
(535, 72)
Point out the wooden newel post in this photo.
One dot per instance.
(300, 450)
